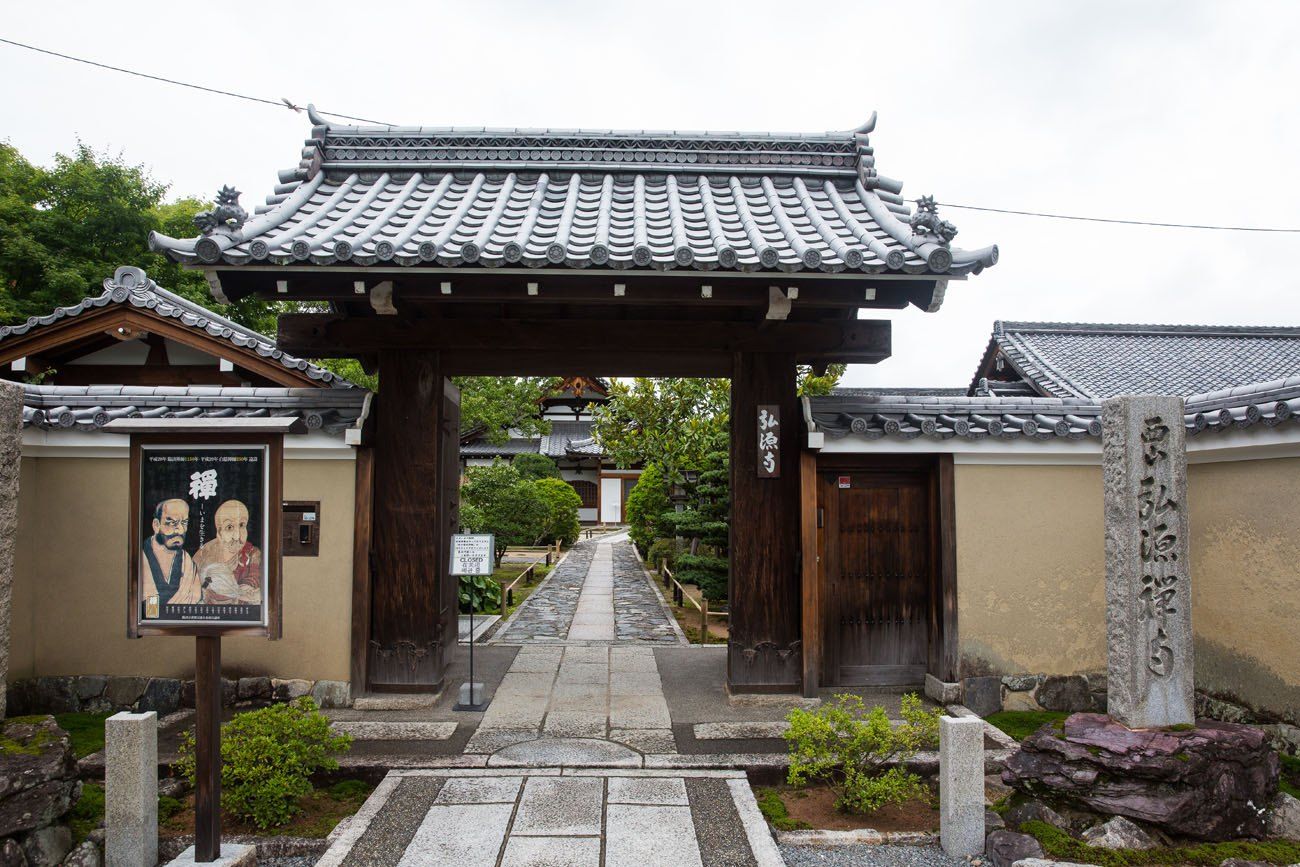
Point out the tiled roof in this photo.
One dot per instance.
(131, 286)
(873, 416)
(1099, 361)
(585, 198)
(569, 437)
(90, 407)
(512, 446)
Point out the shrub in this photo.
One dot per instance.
(267, 759)
(562, 503)
(848, 747)
(532, 466)
(478, 593)
(707, 572)
(645, 507)
(663, 551)
(497, 500)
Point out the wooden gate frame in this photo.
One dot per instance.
(943, 654)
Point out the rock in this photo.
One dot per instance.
(1032, 810)
(97, 836)
(1283, 817)
(1021, 682)
(90, 686)
(85, 855)
(47, 847)
(162, 695)
(187, 692)
(1005, 848)
(983, 695)
(254, 689)
(288, 690)
(1209, 707)
(940, 691)
(1067, 693)
(11, 854)
(54, 695)
(332, 693)
(229, 692)
(1020, 701)
(995, 789)
(36, 807)
(172, 787)
(1202, 782)
(1118, 833)
(1047, 862)
(1283, 737)
(993, 822)
(123, 692)
(35, 753)
(1241, 862)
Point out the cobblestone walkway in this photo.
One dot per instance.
(598, 594)
(557, 817)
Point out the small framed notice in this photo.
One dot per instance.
(473, 553)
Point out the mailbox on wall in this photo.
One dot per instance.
(300, 528)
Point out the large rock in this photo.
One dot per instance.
(85, 855)
(332, 693)
(36, 807)
(34, 753)
(52, 695)
(1203, 782)
(289, 690)
(983, 695)
(254, 689)
(1283, 818)
(1034, 811)
(47, 847)
(162, 696)
(1005, 848)
(11, 854)
(123, 692)
(1068, 693)
(1118, 833)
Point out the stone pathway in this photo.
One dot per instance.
(598, 692)
(554, 817)
(598, 593)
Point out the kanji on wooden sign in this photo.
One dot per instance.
(769, 441)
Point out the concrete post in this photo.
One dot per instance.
(131, 790)
(961, 785)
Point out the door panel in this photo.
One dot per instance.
(877, 575)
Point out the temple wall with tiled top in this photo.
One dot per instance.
(1031, 578)
(69, 595)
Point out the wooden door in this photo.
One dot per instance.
(877, 577)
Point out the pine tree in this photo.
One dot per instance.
(706, 522)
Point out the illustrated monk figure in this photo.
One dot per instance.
(229, 566)
(164, 559)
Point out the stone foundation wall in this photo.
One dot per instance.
(97, 693)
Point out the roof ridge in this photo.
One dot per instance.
(1002, 327)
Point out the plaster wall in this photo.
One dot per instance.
(69, 604)
(1245, 581)
(1031, 572)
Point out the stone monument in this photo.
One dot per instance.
(1148, 577)
(11, 447)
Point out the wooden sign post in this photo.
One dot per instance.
(205, 562)
(472, 554)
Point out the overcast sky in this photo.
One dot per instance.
(1173, 111)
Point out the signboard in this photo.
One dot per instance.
(769, 441)
(205, 536)
(473, 553)
(845, 482)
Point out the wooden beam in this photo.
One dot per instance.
(809, 556)
(361, 576)
(950, 660)
(330, 335)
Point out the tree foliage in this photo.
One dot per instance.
(532, 465)
(497, 500)
(496, 404)
(646, 506)
(666, 422)
(562, 503)
(705, 522)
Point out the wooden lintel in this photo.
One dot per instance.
(329, 335)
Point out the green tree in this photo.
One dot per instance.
(705, 522)
(646, 506)
(496, 404)
(497, 500)
(562, 504)
(809, 384)
(666, 422)
(532, 465)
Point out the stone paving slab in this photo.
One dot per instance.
(380, 730)
(582, 817)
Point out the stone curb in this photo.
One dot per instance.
(341, 846)
(859, 837)
(757, 832)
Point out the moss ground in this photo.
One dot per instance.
(1020, 724)
(85, 729)
(1290, 781)
(1060, 845)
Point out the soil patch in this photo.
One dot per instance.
(815, 807)
(317, 814)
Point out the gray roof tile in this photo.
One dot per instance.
(131, 286)
(580, 198)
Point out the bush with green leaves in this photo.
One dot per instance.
(562, 503)
(705, 522)
(646, 506)
(496, 499)
(858, 753)
(663, 551)
(478, 593)
(533, 466)
(267, 759)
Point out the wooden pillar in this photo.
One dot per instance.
(810, 577)
(764, 652)
(408, 645)
(363, 528)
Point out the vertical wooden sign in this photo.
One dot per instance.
(769, 441)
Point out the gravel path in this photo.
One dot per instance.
(546, 614)
(857, 856)
(638, 612)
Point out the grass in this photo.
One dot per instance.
(85, 729)
(1020, 724)
(1290, 781)
(774, 811)
(1060, 845)
(88, 813)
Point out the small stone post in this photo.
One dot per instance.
(131, 790)
(11, 447)
(1148, 578)
(961, 785)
